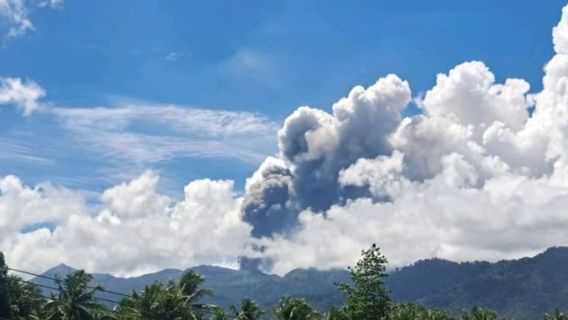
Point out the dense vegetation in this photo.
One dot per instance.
(366, 298)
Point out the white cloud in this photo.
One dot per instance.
(253, 65)
(506, 218)
(14, 15)
(134, 230)
(145, 133)
(473, 177)
(25, 95)
(469, 95)
(52, 3)
(560, 34)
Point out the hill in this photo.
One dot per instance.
(522, 289)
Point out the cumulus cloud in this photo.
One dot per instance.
(25, 95)
(475, 176)
(134, 230)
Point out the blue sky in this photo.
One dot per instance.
(259, 60)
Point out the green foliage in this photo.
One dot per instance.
(190, 285)
(249, 310)
(295, 309)
(74, 301)
(412, 311)
(24, 298)
(407, 311)
(18, 299)
(219, 313)
(4, 298)
(367, 297)
(165, 301)
(556, 315)
(431, 314)
(477, 313)
(336, 314)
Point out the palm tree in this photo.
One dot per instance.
(249, 310)
(430, 314)
(25, 299)
(190, 285)
(295, 309)
(406, 311)
(557, 315)
(170, 301)
(74, 301)
(477, 313)
(218, 313)
(157, 301)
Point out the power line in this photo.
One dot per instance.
(58, 280)
(202, 307)
(57, 289)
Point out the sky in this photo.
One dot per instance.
(281, 127)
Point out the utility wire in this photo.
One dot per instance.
(58, 280)
(202, 307)
(57, 289)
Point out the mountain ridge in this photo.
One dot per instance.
(524, 288)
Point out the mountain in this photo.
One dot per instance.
(521, 289)
(228, 285)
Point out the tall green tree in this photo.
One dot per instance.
(295, 309)
(367, 297)
(74, 300)
(18, 299)
(25, 300)
(248, 310)
(4, 298)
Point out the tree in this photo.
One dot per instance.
(406, 311)
(157, 301)
(412, 311)
(336, 314)
(190, 285)
(4, 298)
(367, 297)
(25, 298)
(556, 315)
(295, 309)
(219, 313)
(18, 299)
(477, 313)
(430, 314)
(249, 310)
(161, 301)
(74, 300)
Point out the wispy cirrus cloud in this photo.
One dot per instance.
(147, 133)
(14, 17)
(249, 64)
